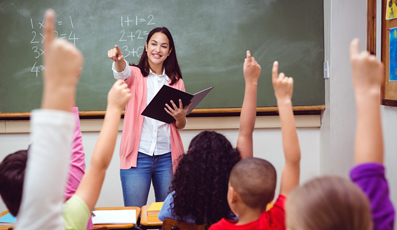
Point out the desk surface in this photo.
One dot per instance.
(149, 221)
(118, 226)
(5, 227)
(110, 226)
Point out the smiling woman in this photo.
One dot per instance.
(149, 148)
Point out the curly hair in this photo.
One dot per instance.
(201, 179)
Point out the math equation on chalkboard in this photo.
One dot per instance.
(133, 33)
(37, 38)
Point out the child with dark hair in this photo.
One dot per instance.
(12, 172)
(42, 205)
(336, 202)
(253, 181)
(199, 187)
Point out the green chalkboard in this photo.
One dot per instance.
(211, 37)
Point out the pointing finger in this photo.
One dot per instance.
(49, 27)
(118, 49)
(275, 71)
(354, 47)
(248, 55)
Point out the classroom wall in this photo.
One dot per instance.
(325, 150)
(267, 144)
(344, 20)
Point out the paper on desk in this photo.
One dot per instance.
(8, 218)
(114, 217)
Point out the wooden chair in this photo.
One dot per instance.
(170, 224)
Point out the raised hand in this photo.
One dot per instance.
(282, 84)
(119, 95)
(251, 68)
(251, 71)
(63, 63)
(367, 71)
(115, 54)
(62, 60)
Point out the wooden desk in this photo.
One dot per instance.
(149, 221)
(5, 227)
(119, 226)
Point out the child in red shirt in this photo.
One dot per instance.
(252, 182)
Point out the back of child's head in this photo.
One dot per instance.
(201, 179)
(12, 175)
(328, 203)
(255, 182)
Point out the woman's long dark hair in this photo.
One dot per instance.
(170, 64)
(201, 179)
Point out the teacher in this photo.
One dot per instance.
(149, 148)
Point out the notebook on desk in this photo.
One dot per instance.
(8, 220)
(114, 217)
(154, 209)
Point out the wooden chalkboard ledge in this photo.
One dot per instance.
(263, 111)
(389, 102)
(194, 123)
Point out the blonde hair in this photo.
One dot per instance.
(328, 203)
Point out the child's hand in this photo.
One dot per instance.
(282, 84)
(62, 60)
(119, 95)
(367, 71)
(115, 54)
(252, 69)
(63, 63)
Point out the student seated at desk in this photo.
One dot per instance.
(200, 182)
(52, 131)
(252, 182)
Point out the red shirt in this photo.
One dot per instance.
(272, 219)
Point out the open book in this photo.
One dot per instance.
(155, 109)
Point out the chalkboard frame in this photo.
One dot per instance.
(298, 110)
(213, 110)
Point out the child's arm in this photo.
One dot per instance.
(369, 172)
(283, 87)
(77, 160)
(252, 71)
(367, 80)
(91, 184)
(52, 132)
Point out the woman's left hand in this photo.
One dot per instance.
(178, 113)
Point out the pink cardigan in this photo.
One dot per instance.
(133, 121)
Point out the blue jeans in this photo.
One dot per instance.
(136, 181)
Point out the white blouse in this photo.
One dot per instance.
(155, 135)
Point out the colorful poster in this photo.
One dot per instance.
(393, 54)
(391, 9)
